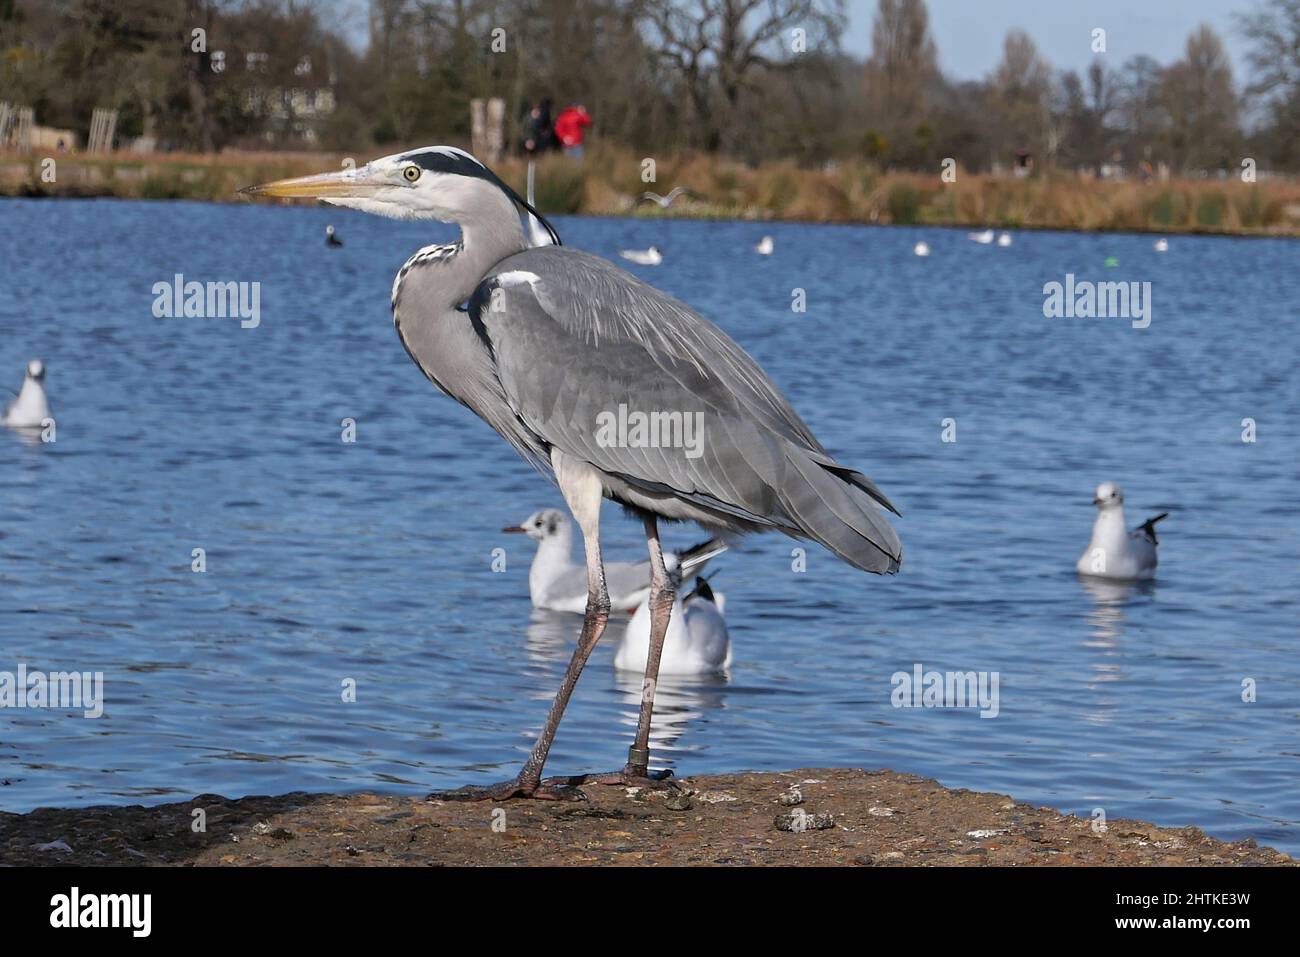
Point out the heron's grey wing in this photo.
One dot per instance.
(578, 343)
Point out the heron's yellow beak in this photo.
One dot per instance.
(348, 182)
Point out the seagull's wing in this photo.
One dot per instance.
(575, 339)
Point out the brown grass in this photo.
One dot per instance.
(610, 180)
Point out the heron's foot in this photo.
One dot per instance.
(629, 777)
(551, 790)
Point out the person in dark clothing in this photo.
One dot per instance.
(538, 132)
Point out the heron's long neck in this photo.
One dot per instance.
(482, 246)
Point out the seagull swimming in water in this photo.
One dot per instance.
(697, 642)
(1004, 240)
(557, 583)
(30, 408)
(983, 238)
(331, 239)
(1116, 552)
(1161, 245)
(765, 246)
(921, 249)
(643, 257)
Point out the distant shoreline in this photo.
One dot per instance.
(816, 816)
(609, 184)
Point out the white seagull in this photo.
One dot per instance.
(921, 249)
(1115, 552)
(697, 642)
(765, 246)
(557, 582)
(983, 238)
(1161, 245)
(643, 257)
(1004, 240)
(31, 408)
(666, 201)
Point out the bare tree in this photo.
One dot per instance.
(1274, 33)
(1198, 94)
(1019, 92)
(900, 72)
(721, 45)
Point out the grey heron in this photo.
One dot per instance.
(549, 346)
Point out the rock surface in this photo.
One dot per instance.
(719, 819)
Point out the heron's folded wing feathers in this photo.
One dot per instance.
(580, 346)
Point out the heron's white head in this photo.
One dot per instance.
(36, 370)
(547, 523)
(434, 182)
(1108, 495)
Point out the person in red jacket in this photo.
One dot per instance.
(569, 128)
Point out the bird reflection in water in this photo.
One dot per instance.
(1106, 624)
(680, 700)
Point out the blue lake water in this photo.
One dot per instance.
(371, 561)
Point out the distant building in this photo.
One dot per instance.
(295, 113)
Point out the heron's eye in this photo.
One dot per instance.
(412, 173)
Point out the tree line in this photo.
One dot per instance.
(756, 80)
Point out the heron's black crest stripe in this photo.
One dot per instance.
(462, 164)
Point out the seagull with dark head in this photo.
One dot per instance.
(609, 386)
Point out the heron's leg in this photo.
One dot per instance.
(662, 594)
(583, 492)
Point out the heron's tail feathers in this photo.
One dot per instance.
(841, 509)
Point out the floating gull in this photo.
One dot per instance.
(697, 642)
(765, 246)
(1004, 240)
(1115, 552)
(30, 408)
(1161, 245)
(983, 238)
(556, 582)
(643, 257)
(331, 239)
(921, 249)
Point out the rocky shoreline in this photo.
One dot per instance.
(804, 817)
